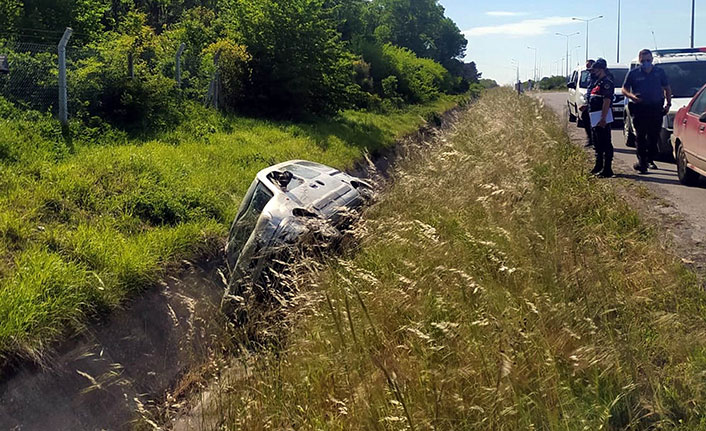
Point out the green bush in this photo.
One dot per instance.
(233, 66)
(299, 64)
(139, 98)
(419, 80)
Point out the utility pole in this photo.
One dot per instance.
(567, 36)
(587, 21)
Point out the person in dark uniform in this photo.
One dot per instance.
(647, 88)
(599, 106)
(584, 109)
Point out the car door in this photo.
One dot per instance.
(572, 94)
(694, 136)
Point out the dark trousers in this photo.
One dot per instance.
(648, 125)
(586, 119)
(603, 145)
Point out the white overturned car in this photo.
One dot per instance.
(284, 203)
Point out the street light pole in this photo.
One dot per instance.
(567, 36)
(617, 55)
(535, 62)
(587, 21)
(693, 10)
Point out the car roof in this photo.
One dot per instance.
(675, 55)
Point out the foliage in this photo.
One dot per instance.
(123, 82)
(316, 74)
(420, 26)
(233, 67)
(416, 79)
(552, 83)
(488, 83)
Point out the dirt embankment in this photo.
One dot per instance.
(136, 358)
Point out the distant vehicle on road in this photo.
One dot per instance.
(690, 139)
(686, 71)
(285, 202)
(578, 87)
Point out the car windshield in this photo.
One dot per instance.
(619, 76)
(685, 78)
(247, 219)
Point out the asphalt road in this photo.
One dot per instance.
(688, 202)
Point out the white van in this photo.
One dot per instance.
(578, 86)
(686, 72)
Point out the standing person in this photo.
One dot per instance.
(600, 104)
(584, 108)
(647, 88)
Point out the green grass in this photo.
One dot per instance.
(85, 223)
(497, 286)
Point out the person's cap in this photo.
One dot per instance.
(600, 64)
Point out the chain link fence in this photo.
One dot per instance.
(32, 78)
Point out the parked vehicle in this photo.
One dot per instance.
(282, 205)
(690, 139)
(686, 71)
(578, 87)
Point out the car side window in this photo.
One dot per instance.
(699, 105)
(585, 78)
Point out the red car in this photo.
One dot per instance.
(690, 139)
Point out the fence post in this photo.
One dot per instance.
(180, 51)
(63, 96)
(214, 90)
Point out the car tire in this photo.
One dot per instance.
(686, 175)
(572, 117)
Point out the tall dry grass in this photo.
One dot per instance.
(495, 286)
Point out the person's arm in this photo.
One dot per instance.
(627, 86)
(667, 91)
(604, 112)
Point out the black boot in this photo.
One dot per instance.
(607, 171)
(598, 167)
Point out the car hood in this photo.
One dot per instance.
(679, 103)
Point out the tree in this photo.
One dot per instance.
(10, 13)
(299, 64)
(419, 25)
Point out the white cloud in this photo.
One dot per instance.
(528, 27)
(505, 13)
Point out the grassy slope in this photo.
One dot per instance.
(85, 223)
(499, 287)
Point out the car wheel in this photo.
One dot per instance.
(686, 175)
(572, 117)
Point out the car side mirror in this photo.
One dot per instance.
(702, 118)
(571, 85)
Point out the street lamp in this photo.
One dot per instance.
(576, 54)
(567, 36)
(535, 62)
(587, 21)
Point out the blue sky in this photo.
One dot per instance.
(501, 30)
